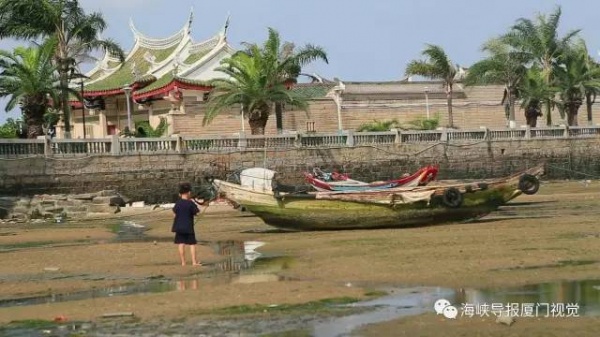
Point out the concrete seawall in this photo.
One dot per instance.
(154, 177)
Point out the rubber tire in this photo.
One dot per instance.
(452, 198)
(483, 186)
(529, 184)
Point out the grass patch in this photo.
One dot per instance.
(114, 228)
(41, 244)
(326, 305)
(290, 333)
(31, 324)
(30, 244)
(362, 242)
(285, 262)
(376, 293)
(559, 264)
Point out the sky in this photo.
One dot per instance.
(365, 40)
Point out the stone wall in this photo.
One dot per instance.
(154, 178)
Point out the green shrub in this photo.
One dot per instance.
(9, 129)
(424, 123)
(377, 125)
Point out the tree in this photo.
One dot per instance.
(540, 41)
(287, 62)
(29, 78)
(576, 78)
(75, 31)
(534, 92)
(10, 129)
(503, 65)
(437, 66)
(144, 129)
(252, 82)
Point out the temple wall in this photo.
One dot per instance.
(481, 107)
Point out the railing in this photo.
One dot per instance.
(18, 148)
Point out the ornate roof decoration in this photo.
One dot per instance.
(154, 58)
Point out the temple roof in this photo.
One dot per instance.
(313, 90)
(167, 83)
(157, 60)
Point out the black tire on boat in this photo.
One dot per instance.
(483, 186)
(529, 184)
(452, 197)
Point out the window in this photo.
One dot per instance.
(89, 131)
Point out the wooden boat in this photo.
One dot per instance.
(394, 207)
(420, 178)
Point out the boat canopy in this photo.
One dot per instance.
(257, 178)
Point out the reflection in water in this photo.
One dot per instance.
(183, 285)
(585, 294)
(237, 255)
(239, 261)
(406, 302)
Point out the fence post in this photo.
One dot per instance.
(115, 147)
(47, 147)
(350, 138)
(486, 132)
(528, 132)
(298, 140)
(566, 131)
(397, 136)
(444, 136)
(179, 146)
(243, 141)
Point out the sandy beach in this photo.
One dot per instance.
(545, 238)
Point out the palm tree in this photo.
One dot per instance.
(76, 32)
(29, 78)
(503, 66)
(287, 62)
(534, 92)
(437, 66)
(540, 41)
(576, 80)
(249, 82)
(593, 69)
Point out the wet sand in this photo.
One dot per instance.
(536, 239)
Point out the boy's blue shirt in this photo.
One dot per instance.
(184, 210)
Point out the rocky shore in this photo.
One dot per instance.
(57, 207)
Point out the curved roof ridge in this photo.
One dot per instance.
(162, 43)
(206, 44)
(221, 45)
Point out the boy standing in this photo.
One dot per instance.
(185, 210)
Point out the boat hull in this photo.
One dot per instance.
(333, 211)
(299, 214)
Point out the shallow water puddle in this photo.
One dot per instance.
(240, 262)
(549, 301)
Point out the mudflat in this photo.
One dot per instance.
(548, 237)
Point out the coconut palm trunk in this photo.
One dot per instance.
(64, 98)
(33, 113)
(258, 120)
(572, 111)
(449, 101)
(279, 117)
(511, 106)
(590, 99)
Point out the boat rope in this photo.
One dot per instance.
(572, 171)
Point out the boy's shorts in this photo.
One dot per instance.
(186, 239)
